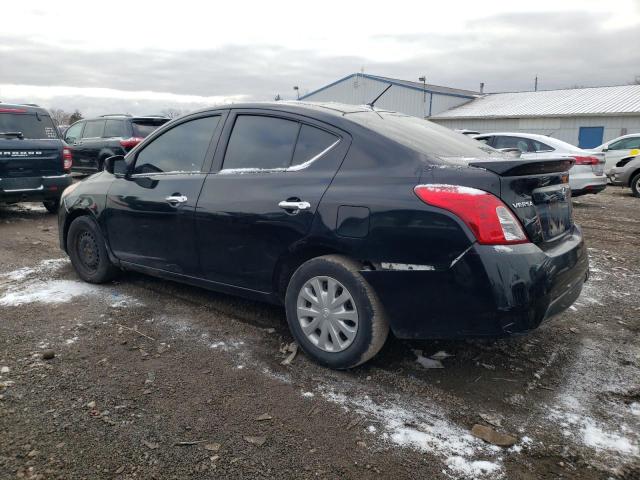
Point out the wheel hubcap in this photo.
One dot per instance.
(88, 251)
(327, 314)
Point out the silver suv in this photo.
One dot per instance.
(627, 173)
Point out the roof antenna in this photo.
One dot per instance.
(372, 103)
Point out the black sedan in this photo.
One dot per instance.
(359, 221)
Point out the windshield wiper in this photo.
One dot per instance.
(12, 134)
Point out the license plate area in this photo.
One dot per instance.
(553, 207)
(9, 184)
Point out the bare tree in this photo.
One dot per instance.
(173, 112)
(60, 117)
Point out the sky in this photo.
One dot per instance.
(144, 57)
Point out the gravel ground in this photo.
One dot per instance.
(142, 365)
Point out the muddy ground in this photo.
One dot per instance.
(143, 364)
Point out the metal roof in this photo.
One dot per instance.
(402, 83)
(623, 99)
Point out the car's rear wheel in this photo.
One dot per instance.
(334, 314)
(635, 185)
(52, 206)
(88, 251)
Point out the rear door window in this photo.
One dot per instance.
(93, 129)
(541, 147)
(312, 143)
(261, 142)
(29, 125)
(180, 149)
(142, 128)
(520, 143)
(114, 128)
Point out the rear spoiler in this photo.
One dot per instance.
(518, 167)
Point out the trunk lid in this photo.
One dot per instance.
(23, 158)
(537, 192)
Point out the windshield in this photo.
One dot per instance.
(423, 136)
(29, 124)
(142, 128)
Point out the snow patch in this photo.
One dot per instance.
(426, 429)
(53, 291)
(45, 266)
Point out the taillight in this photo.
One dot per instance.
(486, 215)
(67, 159)
(586, 160)
(129, 143)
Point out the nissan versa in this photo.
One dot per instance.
(359, 221)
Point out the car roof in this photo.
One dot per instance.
(24, 107)
(552, 142)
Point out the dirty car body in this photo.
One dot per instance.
(378, 195)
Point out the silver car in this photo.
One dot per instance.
(627, 174)
(586, 175)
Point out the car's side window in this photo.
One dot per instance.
(312, 143)
(541, 147)
(180, 149)
(114, 128)
(93, 129)
(625, 144)
(73, 133)
(521, 144)
(261, 142)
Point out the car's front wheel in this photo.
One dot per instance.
(334, 314)
(635, 185)
(88, 251)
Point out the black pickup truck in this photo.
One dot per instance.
(34, 163)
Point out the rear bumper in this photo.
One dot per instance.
(42, 188)
(582, 180)
(489, 292)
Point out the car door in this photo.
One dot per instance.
(73, 138)
(269, 176)
(87, 149)
(149, 215)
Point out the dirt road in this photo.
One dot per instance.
(152, 379)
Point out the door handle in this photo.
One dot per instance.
(176, 199)
(295, 206)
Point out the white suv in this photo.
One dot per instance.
(587, 174)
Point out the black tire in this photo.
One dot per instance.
(635, 185)
(88, 251)
(372, 327)
(52, 206)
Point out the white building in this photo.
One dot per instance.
(586, 117)
(412, 98)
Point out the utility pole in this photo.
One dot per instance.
(423, 79)
(297, 89)
(535, 84)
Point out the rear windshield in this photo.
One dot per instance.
(142, 128)
(29, 124)
(423, 136)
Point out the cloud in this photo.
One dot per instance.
(505, 51)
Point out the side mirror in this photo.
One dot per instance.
(116, 165)
(605, 149)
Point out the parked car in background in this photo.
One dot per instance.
(627, 173)
(93, 140)
(358, 221)
(34, 163)
(586, 175)
(617, 149)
